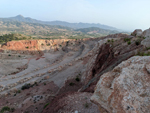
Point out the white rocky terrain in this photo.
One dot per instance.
(126, 89)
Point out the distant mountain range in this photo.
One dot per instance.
(20, 18)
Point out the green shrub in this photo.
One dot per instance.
(148, 48)
(6, 108)
(77, 79)
(18, 91)
(26, 86)
(108, 40)
(129, 42)
(71, 83)
(35, 83)
(9, 55)
(86, 105)
(27, 47)
(127, 39)
(46, 105)
(12, 109)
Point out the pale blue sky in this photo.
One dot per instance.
(122, 14)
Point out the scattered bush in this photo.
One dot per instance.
(35, 83)
(77, 79)
(71, 83)
(6, 108)
(18, 91)
(127, 39)
(44, 83)
(26, 86)
(148, 48)
(86, 105)
(46, 105)
(12, 109)
(143, 54)
(27, 47)
(108, 40)
(129, 42)
(9, 55)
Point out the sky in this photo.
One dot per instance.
(122, 14)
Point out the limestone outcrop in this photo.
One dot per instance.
(146, 34)
(125, 89)
(137, 32)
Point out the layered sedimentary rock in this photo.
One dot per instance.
(125, 89)
(106, 55)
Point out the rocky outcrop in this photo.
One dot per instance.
(146, 34)
(35, 47)
(137, 32)
(107, 54)
(125, 89)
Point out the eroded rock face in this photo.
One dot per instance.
(137, 32)
(126, 89)
(146, 33)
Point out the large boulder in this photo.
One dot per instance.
(137, 32)
(126, 89)
(146, 42)
(146, 34)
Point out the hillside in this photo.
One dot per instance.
(20, 18)
(50, 76)
(96, 30)
(9, 37)
(37, 30)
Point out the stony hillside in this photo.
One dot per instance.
(59, 76)
(20, 18)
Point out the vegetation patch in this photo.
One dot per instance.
(26, 86)
(127, 39)
(86, 105)
(77, 79)
(46, 105)
(5, 108)
(143, 54)
(71, 84)
(9, 37)
(129, 42)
